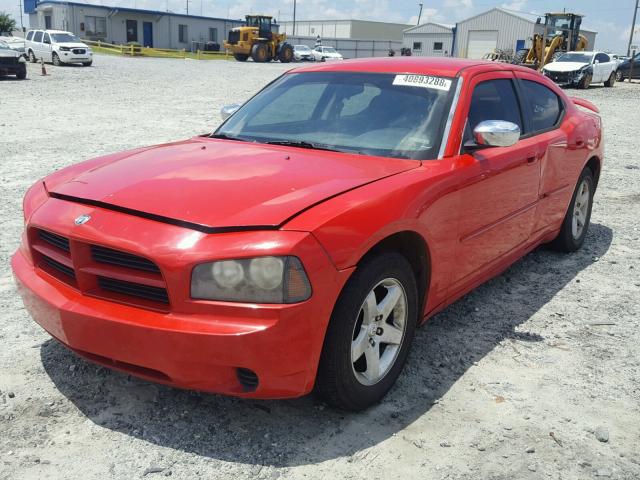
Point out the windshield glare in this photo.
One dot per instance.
(575, 57)
(302, 48)
(4, 46)
(64, 37)
(346, 111)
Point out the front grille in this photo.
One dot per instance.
(8, 60)
(234, 37)
(560, 77)
(100, 271)
(114, 257)
(68, 271)
(55, 240)
(79, 51)
(153, 294)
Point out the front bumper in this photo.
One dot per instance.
(565, 79)
(199, 345)
(13, 69)
(70, 57)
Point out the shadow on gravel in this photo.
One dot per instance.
(302, 431)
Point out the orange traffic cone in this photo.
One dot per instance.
(43, 71)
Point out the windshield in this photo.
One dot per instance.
(4, 46)
(387, 115)
(329, 50)
(302, 48)
(576, 57)
(64, 37)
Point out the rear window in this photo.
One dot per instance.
(545, 106)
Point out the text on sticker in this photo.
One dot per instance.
(424, 81)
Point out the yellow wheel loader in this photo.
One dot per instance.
(257, 40)
(561, 34)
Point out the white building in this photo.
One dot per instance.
(121, 25)
(352, 29)
(429, 40)
(481, 34)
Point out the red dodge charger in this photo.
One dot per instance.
(301, 244)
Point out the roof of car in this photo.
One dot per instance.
(449, 67)
(51, 31)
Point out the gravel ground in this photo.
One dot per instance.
(534, 375)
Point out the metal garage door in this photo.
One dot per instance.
(481, 42)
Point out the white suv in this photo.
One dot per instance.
(57, 47)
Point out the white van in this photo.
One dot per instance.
(57, 47)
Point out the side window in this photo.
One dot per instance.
(494, 100)
(603, 58)
(29, 35)
(46, 38)
(546, 107)
(38, 37)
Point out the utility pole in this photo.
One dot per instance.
(633, 26)
(187, 7)
(20, 11)
(294, 18)
(419, 14)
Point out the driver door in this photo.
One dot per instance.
(46, 48)
(499, 190)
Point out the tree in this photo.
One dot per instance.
(7, 24)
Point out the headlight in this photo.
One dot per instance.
(65, 49)
(256, 280)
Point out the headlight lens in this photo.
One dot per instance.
(65, 49)
(256, 280)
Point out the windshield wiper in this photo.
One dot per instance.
(302, 144)
(224, 136)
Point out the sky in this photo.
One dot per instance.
(612, 22)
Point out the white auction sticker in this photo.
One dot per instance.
(424, 81)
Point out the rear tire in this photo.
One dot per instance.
(520, 56)
(376, 334)
(259, 53)
(576, 221)
(611, 81)
(240, 57)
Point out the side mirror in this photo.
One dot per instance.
(496, 133)
(228, 110)
(597, 61)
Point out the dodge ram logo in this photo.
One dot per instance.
(82, 219)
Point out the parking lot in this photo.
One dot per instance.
(536, 374)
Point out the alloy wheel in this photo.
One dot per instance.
(379, 331)
(580, 210)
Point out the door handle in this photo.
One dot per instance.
(532, 159)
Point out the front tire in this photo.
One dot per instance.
(585, 82)
(259, 53)
(619, 76)
(240, 57)
(286, 54)
(578, 217)
(56, 59)
(369, 334)
(22, 73)
(32, 57)
(611, 80)
(87, 64)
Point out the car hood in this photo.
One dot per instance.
(8, 53)
(72, 45)
(564, 66)
(213, 184)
